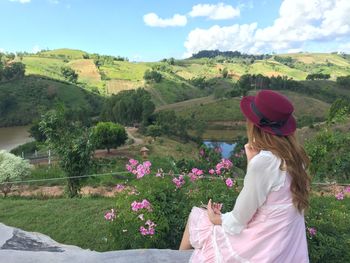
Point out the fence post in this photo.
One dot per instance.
(22, 155)
(49, 158)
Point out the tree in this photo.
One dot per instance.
(69, 74)
(224, 73)
(339, 110)
(152, 75)
(73, 144)
(14, 70)
(12, 168)
(129, 107)
(36, 133)
(344, 81)
(109, 135)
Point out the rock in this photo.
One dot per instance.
(18, 246)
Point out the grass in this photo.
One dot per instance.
(77, 222)
(125, 70)
(64, 53)
(50, 67)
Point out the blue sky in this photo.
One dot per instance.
(147, 29)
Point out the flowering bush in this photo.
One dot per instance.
(328, 229)
(12, 168)
(153, 212)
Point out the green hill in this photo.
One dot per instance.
(224, 119)
(115, 76)
(24, 100)
(64, 53)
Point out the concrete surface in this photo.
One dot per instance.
(18, 246)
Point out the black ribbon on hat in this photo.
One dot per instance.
(274, 125)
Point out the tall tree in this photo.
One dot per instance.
(109, 135)
(72, 143)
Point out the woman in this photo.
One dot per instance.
(267, 221)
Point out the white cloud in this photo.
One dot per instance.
(215, 12)
(236, 37)
(2, 50)
(299, 22)
(36, 49)
(153, 20)
(21, 1)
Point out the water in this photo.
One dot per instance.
(11, 137)
(226, 147)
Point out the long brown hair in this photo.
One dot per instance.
(294, 160)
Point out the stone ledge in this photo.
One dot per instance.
(18, 246)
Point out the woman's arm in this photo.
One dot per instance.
(257, 184)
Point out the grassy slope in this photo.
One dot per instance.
(228, 109)
(33, 96)
(64, 52)
(70, 221)
(50, 67)
(125, 75)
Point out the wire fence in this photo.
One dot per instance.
(128, 173)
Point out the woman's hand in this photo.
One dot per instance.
(250, 152)
(214, 213)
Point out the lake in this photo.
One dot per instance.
(11, 137)
(226, 147)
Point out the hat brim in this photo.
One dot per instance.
(288, 128)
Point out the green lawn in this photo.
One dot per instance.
(70, 221)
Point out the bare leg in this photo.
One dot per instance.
(185, 242)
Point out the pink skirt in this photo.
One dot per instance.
(263, 241)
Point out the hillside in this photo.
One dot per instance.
(114, 76)
(192, 87)
(224, 119)
(24, 100)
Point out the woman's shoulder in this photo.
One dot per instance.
(264, 158)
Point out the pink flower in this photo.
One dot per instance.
(160, 173)
(201, 152)
(197, 171)
(110, 215)
(143, 231)
(141, 217)
(347, 189)
(150, 231)
(129, 168)
(120, 187)
(218, 149)
(140, 170)
(339, 196)
(218, 171)
(145, 204)
(179, 182)
(212, 171)
(312, 231)
(133, 162)
(147, 164)
(229, 182)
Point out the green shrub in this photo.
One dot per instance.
(331, 220)
(27, 148)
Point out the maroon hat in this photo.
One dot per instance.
(270, 111)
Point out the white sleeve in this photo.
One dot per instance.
(261, 174)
